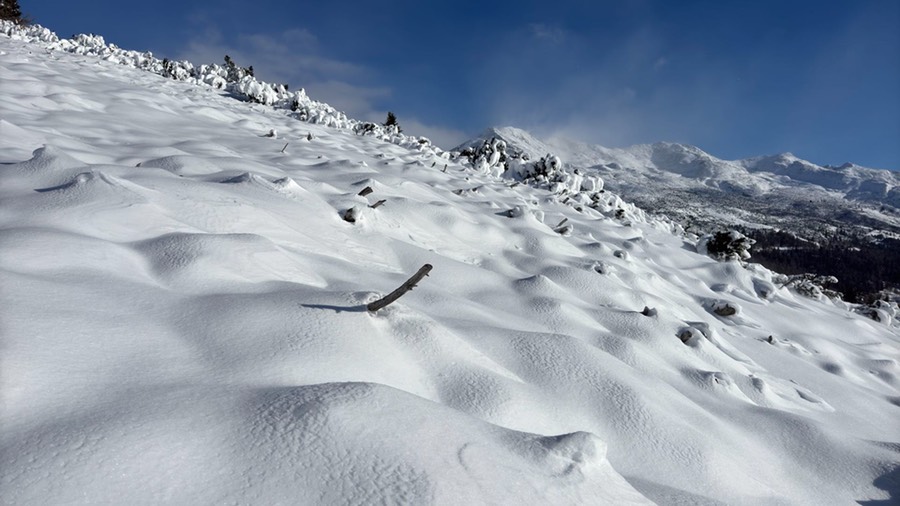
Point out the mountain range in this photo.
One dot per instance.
(767, 197)
(766, 191)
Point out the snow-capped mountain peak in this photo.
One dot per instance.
(666, 164)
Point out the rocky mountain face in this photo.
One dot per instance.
(793, 208)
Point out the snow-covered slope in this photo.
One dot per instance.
(183, 322)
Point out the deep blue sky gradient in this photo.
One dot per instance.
(736, 78)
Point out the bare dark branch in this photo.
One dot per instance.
(405, 287)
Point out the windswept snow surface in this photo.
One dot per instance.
(183, 322)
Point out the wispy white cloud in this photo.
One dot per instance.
(357, 100)
(446, 138)
(547, 32)
(293, 57)
(615, 95)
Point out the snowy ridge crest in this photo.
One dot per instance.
(573, 186)
(214, 75)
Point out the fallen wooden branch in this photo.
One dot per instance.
(405, 287)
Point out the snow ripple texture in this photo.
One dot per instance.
(183, 322)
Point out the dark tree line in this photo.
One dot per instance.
(863, 267)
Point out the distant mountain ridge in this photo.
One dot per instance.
(804, 217)
(686, 166)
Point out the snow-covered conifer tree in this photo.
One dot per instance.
(9, 9)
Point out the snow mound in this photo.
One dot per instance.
(182, 165)
(221, 262)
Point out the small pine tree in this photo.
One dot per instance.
(723, 246)
(392, 121)
(236, 73)
(9, 10)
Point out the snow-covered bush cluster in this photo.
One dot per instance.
(238, 81)
(881, 311)
(177, 70)
(549, 167)
(724, 246)
(391, 133)
(35, 33)
(808, 285)
(491, 157)
(548, 172)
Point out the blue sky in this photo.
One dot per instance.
(736, 78)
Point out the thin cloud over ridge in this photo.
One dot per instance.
(295, 57)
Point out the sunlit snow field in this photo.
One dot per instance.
(182, 321)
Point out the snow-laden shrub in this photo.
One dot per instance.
(489, 158)
(241, 82)
(256, 91)
(234, 73)
(493, 157)
(881, 311)
(212, 75)
(38, 33)
(177, 70)
(547, 168)
(389, 133)
(723, 246)
(809, 285)
(365, 128)
(550, 172)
